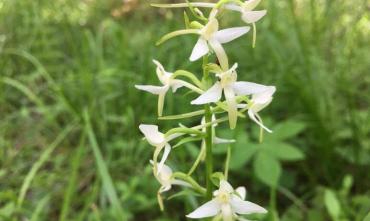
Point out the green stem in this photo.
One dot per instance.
(190, 180)
(274, 213)
(208, 140)
(209, 157)
(227, 162)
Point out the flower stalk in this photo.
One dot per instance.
(218, 93)
(209, 157)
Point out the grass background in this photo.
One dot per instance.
(69, 144)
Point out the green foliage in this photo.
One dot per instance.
(268, 154)
(267, 168)
(332, 204)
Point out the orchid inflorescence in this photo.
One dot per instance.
(218, 78)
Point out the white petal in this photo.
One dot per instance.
(213, 94)
(152, 89)
(248, 88)
(233, 7)
(217, 140)
(165, 188)
(166, 171)
(226, 187)
(167, 150)
(241, 191)
(253, 16)
(162, 74)
(211, 208)
(229, 34)
(251, 4)
(152, 134)
(200, 49)
(252, 116)
(245, 207)
(161, 98)
(160, 69)
(176, 84)
(220, 53)
(231, 106)
(242, 105)
(227, 213)
(265, 96)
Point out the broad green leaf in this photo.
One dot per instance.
(367, 217)
(283, 151)
(347, 184)
(332, 204)
(7, 210)
(286, 130)
(267, 168)
(242, 151)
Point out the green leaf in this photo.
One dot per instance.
(367, 217)
(242, 151)
(267, 168)
(7, 210)
(283, 151)
(102, 169)
(286, 130)
(332, 204)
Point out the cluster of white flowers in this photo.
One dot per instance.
(239, 97)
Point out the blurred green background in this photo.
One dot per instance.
(69, 144)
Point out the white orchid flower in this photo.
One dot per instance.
(246, 8)
(212, 38)
(166, 180)
(167, 82)
(159, 141)
(258, 102)
(228, 84)
(227, 204)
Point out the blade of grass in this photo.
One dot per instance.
(24, 89)
(71, 189)
(88, 201)
(39, 208)
(103, 169)
(38, 164)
